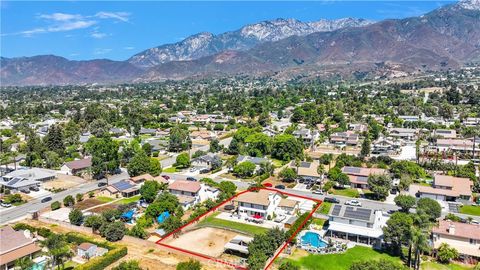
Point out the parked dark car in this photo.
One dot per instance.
(26, 191)
(191, 179)
(46, 199)
(331, 200)
(202, 171)
(280, 187)
(34, 188)
(393, 191)
(229, 207)
(166, 177)
(102, 184)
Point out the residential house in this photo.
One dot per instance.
(117, 132)
(87, 250)
(255, 160)
(471, 122)
(77, 166)
(463, 237)
(445, 188)
(202, 135)
(345, 138)
(403, 133)
(270, 132)
(24, 179)
(141, 178)
(148, 131)
(409, 118)
(187, 192)
(288, 207)
(209, 161)
(306, 135)
(384, 146)
(306, 170)
(362, 225)
(445, 133)
(261, 204)
(15, 245)
(124, 188)
(455, 145)
(358, 128)
(359, 176)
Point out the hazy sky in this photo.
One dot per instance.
(119, 29)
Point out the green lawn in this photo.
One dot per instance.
(246, 228)
(470, 210)
(18, 203)
(347, 192)
(129, 200)
(438, 266)
(325, 208)
(104, 199)
(341, 261)
(170, 170)
(319, 222)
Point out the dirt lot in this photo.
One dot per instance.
(85, 204)
(102, 208)
(207, 241)
(64, 181)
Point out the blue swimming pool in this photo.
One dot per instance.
(313, 239)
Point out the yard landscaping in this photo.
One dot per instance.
(438, 266)
(347, 192)
(104, 199)
(470, 210)
(170, 170)
(246, 228)
(129, 200)
(339, 261)
(325, 208)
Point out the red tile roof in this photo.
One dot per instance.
(188, 186)
(463, 230)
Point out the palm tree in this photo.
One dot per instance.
(421, 245)
(24, 263)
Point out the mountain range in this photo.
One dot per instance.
(447, 37)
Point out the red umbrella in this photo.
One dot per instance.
(257, 216)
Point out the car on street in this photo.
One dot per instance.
(191, 179)
(166, 177)
(6, 205)
(203, 171)
(331, 200)
(46, 199)
(317, 191)
(102, 184)
(353, 203)
(25, 190)
(268, 185)
(34, 188)
(280, 187)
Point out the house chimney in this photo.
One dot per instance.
(451, 229)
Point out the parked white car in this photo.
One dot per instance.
(353, 203)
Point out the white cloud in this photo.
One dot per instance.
(61, 16)
(98, 35)
(128, 48)
(121, 16)
(100, 51)
(63, 22)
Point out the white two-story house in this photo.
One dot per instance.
(259, 204)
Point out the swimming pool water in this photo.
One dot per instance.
(313, 239)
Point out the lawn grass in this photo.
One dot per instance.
(319, 222)
(470, 210)
(104, 199)
(347, 192)
(129, 200)
(325, 208)
(341, 261)
(246, 228)
(170, 170)
(18, 203)
(438, 266)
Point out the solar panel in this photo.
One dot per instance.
(14, 181)
(351, 170)
(304, 164)
(336, 210)
(122, 185)
(359, 213)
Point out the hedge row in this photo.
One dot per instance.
(42, 231)
(298, 223)
(73, 237)
(100, 263)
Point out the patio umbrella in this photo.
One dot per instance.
(257, 216)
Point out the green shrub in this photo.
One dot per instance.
(55, 205)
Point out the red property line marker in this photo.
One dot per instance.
(319, 202)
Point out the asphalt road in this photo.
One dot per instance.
(18, 212)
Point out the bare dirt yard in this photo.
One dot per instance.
(64, 182)
(88, 203)
(207, 241)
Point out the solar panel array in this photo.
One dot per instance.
(122, 185)
(304, 164)
(351, 170)
(14, 181)
(336, 210)
(359, 213)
